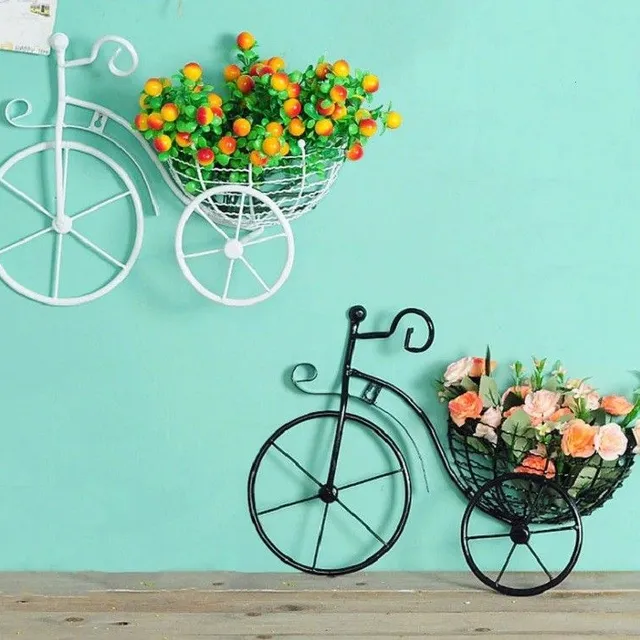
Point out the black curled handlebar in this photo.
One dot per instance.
(358, 313)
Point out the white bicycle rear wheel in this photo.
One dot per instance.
(122, 267)
(232, 246)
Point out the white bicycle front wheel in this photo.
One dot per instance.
(66, 228)
(225, 249)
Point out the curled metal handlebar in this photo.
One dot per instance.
(113, 67)
(358, 313)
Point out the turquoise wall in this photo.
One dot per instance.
(506, 206)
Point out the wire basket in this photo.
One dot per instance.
(296, 185)
(590, 481)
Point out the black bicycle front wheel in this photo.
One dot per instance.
(324, 530)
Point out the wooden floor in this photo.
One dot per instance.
(295, 606)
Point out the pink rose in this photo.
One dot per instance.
(541, 405)
(492, 417)
(457, 370)
(486, 432)
(610, 441)
(636, 434)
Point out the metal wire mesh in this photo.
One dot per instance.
(590, 481)
(296, 185)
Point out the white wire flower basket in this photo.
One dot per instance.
(295, 186)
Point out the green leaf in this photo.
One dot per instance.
(222, 159)
(190, 111)
(148, 134)
(190, 127)
(489, 392)
(217, 130)
(518, 434)
(353, 129)
(325, 87)
(310, 110)
(163, 157)
(468, 384)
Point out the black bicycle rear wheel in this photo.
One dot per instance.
(515, 541)
(308, 524)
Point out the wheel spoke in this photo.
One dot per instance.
(199, 254)
(96, 249)
(537, 557)
(26, 198)
(488, 536)
(255, 274)
(228, 280)
(553, 530)
(58, 259)
(240, 212)
(296, 463)
(265, 239)
(361, 521)
(288, 504)
(65, 173)
(532, 509)
(320, 534)
(24, 240)
(104, 203)
(371, 479)
(506, 563)
(212, 223)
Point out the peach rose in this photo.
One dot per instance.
(468, 405)
(616, 405)
(539, 405)
(578, 439)
(492, 417)
(610, 442)
(478, 367)
(559, 414)
(522, 391)
(636, 435)
(457, 370)
(537, 466)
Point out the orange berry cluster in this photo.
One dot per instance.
(266, 113)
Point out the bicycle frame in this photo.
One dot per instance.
(356, 315)
(101, 115)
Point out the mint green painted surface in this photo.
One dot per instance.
(506, 206)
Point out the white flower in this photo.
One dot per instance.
(457, 370)
(579, 389)
(541, 404)
(545, 428)
(559, 372)
(492, 417)
(486, 432)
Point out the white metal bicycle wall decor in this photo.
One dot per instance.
(256, 217)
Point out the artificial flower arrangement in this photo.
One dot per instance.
(543, 424)
(266, 112)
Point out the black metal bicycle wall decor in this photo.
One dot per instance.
(329, 492)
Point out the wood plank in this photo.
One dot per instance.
(84, 582)
(439, 625)
(262, 603)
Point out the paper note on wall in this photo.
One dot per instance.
(26, 25)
